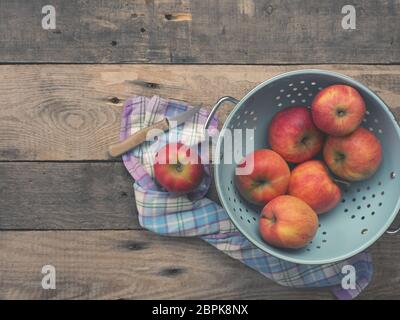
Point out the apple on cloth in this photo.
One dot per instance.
(294, 136)
(311, 182)
(288, 222)
(268, 178)
(178, 168)
(354, 157)
(338, 110)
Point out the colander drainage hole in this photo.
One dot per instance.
(372, 213)
(248, 220)
(380, 204)
(318, 247)
(354, 199)
(368, 205)
(343, 200)
(254, 218)
(353, 216)
(358, 207)
(364, 231)
(373, 196)
(379, 183)
(346, 210)
(362, 218)
(364, 197)
(241, 217)
(324, 240)
(324, 233)
(368, 187)
(307, 249)
(383, 192)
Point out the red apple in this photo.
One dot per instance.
(178, 168)
(288, 222)
(338, 110)
(268, 176)
(353, 157)
(311, 182)
(294, 136)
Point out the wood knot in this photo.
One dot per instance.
(135, 246)
(114, 100)
(171, 272)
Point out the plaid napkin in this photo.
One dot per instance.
(194, 215)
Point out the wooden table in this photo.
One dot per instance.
(64, 202)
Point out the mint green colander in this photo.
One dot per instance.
(367, 209)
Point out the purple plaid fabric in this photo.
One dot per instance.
(194, 215)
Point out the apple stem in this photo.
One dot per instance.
(347, 184)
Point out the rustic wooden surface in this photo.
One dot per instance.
(63, 201)
(141, 265)
(183, 31)
(66, 196)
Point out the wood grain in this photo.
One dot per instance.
(172, 31)
(72, 112)
(141, 265)
(42, 195)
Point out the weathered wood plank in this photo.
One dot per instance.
(42, 195)
(172, 31)
(71, 112)
(140, 265)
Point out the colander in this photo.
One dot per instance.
(367, 208)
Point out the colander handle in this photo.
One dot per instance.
(216, 107)
(393, 231)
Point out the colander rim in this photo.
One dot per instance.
(237, 223)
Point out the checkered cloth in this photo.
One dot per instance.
(194, 215)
